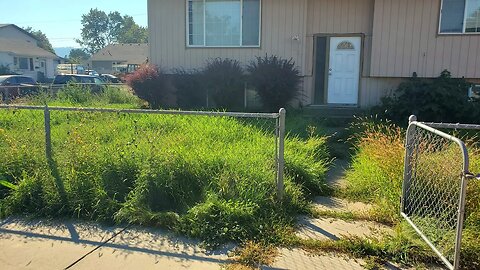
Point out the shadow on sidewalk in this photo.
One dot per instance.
(147, 241)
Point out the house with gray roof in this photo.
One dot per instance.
(119, 58)
(19, 52)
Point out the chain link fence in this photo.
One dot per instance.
(434, 187)
(231, 144)
(10, 93)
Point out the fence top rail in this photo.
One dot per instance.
(452, 125)
(140, 111)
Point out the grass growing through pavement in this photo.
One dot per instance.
(376, 177)
(211, 178)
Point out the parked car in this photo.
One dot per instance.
(91, 72)
(109, 78)
(14, 86)
(93, 82)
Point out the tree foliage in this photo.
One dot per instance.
(43, 41)
(132, 32)
(78, 55)
(100, 29)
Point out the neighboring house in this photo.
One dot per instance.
(116, 58)
(19, 51)
(349, 52)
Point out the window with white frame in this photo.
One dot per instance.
(460, 16)
(21, 63)
(223, 23)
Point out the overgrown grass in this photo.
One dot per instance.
(211, 178)
(74, 95)
(400, 247)
(376, 177)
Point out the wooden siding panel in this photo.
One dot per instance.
(431, 44)
(281, 20)
(409, 39)
(472, 58)
(463, 57)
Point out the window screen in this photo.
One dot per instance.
(472, 14)
(251, 22)
(196, 22)
(23, 63)
(223, 22)
(452, 16)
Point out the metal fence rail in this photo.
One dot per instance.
(272, 124)
(434, 187)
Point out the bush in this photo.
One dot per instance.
(224, 81)
(151, 85)
(76, 94)
(5, 70)
(275, 79)
(190, 89)
(443, 99)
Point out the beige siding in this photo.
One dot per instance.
(281, 20)
(338, 17)
(284, 19)
(405, 40)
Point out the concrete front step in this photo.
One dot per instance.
(335, 229)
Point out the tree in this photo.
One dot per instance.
(100, 29)
(95, 26)
(132, 32)
(78, 55)
(43, 41)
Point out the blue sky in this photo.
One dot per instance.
(60, 20)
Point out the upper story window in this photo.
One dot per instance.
(460, 16)
(223, 23)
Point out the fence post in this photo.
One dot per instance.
(407, 171)
(7, 95)
(281, 154)
(48, 138)
(245, 96)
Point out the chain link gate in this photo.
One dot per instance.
(434, 186)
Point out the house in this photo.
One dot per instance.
(20, 53)
(116, 58)
(349, 52)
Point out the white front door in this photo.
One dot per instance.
(344, 70)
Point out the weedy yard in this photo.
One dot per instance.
(211, 178)
(376, 177)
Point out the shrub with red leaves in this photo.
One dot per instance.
(150, 84)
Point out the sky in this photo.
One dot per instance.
(60, 20)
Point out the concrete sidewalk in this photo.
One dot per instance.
(56, 245)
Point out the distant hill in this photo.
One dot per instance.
(63, 51)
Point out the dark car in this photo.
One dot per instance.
(14, 86)
(92, 82)
(109, 78)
